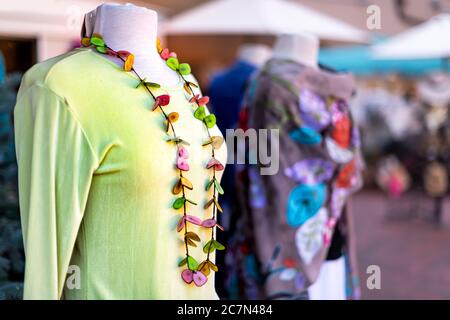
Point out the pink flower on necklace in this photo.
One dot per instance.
(216, 164)
(166, 54)
(197, 277)
(200, 101)
(183, 155)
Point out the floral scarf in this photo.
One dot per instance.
(284, 230)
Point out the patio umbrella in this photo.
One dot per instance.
(260, 17)
(359, 60)
(425, 41)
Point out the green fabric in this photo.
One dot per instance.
(95, 180)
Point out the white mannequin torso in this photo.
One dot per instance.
(254, 54)
(302, 48)
(132, 28)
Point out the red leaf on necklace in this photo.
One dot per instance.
(203, 100)
(200, 101)
(166, 54)
(123, 54)
(163, 100)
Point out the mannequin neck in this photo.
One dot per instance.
(301, 48)
(132, 28)
(254, 54)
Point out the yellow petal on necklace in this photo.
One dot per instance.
(129, 63)
(173, 116)
(185, 182)
(158, 45)
(217, 204)
(86, 42)
(177, 188)
(217, 141)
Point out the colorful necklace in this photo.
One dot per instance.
(193, 272)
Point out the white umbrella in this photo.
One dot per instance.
(260, 17)
(428, 40)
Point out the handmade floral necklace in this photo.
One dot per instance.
(194, 271)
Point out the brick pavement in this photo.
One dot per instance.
(414, 255)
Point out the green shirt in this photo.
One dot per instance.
(95, 181)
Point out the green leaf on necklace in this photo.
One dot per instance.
(148, 84)
(209, 247)
(182, 262)
(184, 69)
(192, 263)
(210, 183)
(178, 140)
(96, 41)
(101, 49)
(218, 245)
(179, 203)
(152, 84)
(218, 186)
(210, 120)
(200, 113)
(212, 245)
(184, 142)
(191, 202)
(141, 82)
(173, 63)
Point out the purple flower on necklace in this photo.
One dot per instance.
(313, 110)
(311, 171)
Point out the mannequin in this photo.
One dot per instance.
(303, 48)
(98, 173)
(132, 28)
(254, 54)
(300, 47)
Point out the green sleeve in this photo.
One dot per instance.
(56, 164)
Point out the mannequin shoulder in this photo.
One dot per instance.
(38, 72)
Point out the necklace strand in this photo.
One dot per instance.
(195, 272)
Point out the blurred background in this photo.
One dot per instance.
(401, 62)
